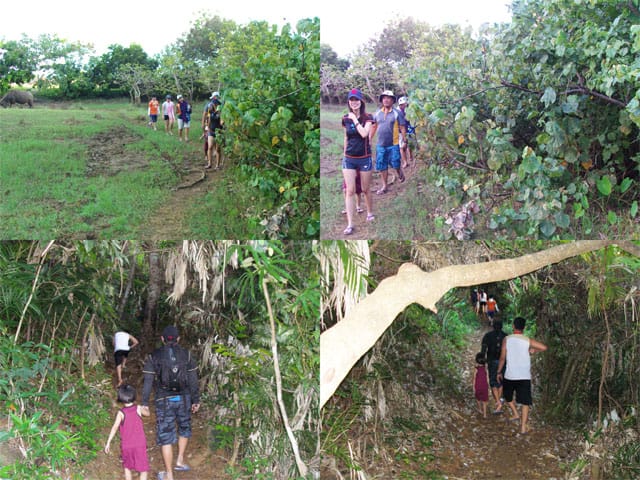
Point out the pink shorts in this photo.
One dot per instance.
(135, 458)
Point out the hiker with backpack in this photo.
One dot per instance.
(175, 375)
(405, 150)
(390, 126)
(491, 348)
(183, 110)
(213, 124)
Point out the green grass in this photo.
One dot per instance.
(50, 186)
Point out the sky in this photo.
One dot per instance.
(152, 24)
(352, 27)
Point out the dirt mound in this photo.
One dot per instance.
(107, 153)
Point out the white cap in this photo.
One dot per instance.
(403, 100)
(179, 97)
(214, 94)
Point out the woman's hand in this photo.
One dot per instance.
(353, 117)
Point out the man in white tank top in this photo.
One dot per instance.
(121, 349)
(516, 353)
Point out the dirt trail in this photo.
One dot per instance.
(204, 463)
(471, 446)
(367, 230)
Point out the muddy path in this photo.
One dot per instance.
(199, 456)
(470, 446)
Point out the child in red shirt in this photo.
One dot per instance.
(133, 443)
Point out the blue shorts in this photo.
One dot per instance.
(386, 156)
(360, 164)
(153, 118)
(168, 413)
(493, 373)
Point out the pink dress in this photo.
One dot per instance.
(481, 387)
(133, 443)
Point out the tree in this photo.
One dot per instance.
(138, 79)
(203, 42)
(17, 62)
(103, 69)
(328, 56)
(343, 344)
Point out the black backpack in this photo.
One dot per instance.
(494, 344)
(172, 363)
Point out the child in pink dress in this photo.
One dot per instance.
(133, 443)
(481, 384)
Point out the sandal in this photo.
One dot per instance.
(182, 468)
(348, 231)
(359, 210)
(402, 178)
(382, 191)
(370, 217)
(344, 212)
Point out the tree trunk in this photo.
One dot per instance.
(342, 345)
(153, 297)
(127, 290)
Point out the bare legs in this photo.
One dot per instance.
(167, 456)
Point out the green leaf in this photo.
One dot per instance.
(562, 219)
(634, 209)
(604, 186)
(547, 228)
(549, 97)
(626, 183)
(612, 217)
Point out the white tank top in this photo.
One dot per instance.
(121, 341)
(518, 358)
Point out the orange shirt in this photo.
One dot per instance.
(491, 305)
(153, 107)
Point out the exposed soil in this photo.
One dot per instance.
(107, 153)
(471, 446)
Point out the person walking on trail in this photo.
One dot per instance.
(121, 349)
(516, 353)
(405, 150)
(483, 302)
(154, 106)
(390, 126)
(474, 299)
(480, 384)
(169, 115)
(175, 375)
(213, 124)
(492, 308)
(356, 158)
(133, 443)
(183, 111)
(491, 349)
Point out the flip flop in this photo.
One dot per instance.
(382, 191)
(359, 210)
(348, 231)
(371, 217)
(514, 420)
(402, 178)
(497, 412)
(162, 475)
(182, 468)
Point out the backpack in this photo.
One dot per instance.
(494, 345)
(172, 364)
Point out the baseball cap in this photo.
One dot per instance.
(387, 93)
(214, 94)
(403, 100)
(356, 93)
(170, 333)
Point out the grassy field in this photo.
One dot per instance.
(96, 170)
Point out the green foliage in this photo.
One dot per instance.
(542, 112)
(271, 114)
